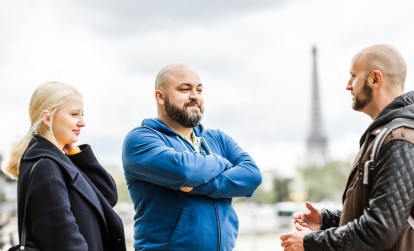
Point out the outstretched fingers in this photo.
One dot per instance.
(311, 208)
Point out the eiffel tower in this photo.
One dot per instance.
(317, 143)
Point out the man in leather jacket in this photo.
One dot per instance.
(374, 215)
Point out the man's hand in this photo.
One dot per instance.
(294, 241)
(186, 189)
(311, 219)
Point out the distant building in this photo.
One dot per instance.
(8, 208)
(8, 190)
(317, 143)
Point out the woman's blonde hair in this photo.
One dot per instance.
(50, 96)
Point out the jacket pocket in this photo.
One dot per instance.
(229, 227)
(196, 230)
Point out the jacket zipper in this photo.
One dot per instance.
(214, 203)
(352, 187)
(218, 226)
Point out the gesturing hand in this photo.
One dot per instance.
(294, 241)
(311, 219)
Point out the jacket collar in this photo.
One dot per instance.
(158, 125)
(400, 107)
(40, 147)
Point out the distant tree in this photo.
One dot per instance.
(123, 194)
(261, 196)
(281, 187)
(328, 181)
(322, 182)
(279, 192)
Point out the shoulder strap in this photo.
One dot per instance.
(411, 221)
(378, 141)
(23, 237)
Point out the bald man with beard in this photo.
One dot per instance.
(181, 176)
(375, 213)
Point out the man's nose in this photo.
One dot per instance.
(349, 85)
(194, 95)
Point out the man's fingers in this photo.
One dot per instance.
(285, 240)
(301, 226)
(298, 227)
(299, 215)
(300, 221)
(311, 208)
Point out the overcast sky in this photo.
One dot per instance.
(253, 57)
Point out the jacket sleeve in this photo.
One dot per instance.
(240, 180)
(146, 157)
(89, 165)
(53, 223)
(330, 218)
(389, 205)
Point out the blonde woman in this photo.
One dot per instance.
(71, 195)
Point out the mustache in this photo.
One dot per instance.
(192, 102)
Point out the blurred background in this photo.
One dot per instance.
(274, 75)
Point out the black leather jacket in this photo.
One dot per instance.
(390, 198)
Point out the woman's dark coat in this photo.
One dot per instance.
(66, 211)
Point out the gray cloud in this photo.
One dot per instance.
(253, 56)
(126, 17)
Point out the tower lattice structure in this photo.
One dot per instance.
(317, 142)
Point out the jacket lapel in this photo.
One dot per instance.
(81, 186)
(42, 148)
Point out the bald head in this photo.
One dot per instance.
(169, 73)
(178, 92)
(386, 59)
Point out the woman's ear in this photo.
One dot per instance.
(45, 117)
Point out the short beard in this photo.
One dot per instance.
(182, 116)
(363, 98)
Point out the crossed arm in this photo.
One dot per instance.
(241, 180)
(147, 157)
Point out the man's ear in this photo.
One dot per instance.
(159, 96)
(45, 115)
(377, 78)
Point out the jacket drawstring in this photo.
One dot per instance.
(208, 147)
(182, 143)
(202, 139)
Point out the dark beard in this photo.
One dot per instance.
(364, 98)
(182, 116)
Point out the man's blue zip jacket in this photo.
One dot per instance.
(158, 162)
